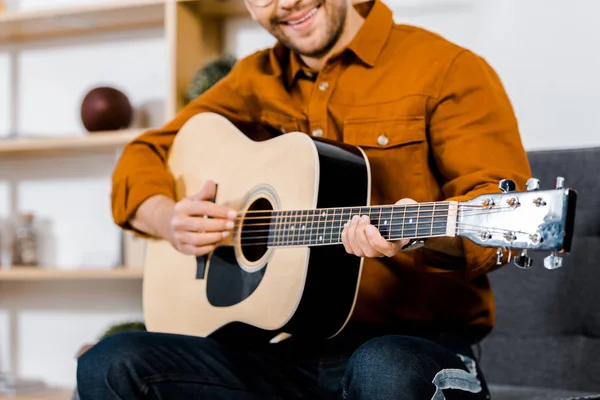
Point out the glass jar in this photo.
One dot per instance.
(25, 242)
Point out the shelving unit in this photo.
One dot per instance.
(88, 142)
(193, 35)
(44, 273)
(49, 394)
(126, 14)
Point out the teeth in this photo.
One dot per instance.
(307, 16)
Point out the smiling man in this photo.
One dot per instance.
(435, 123)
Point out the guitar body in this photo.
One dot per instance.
(252, 288)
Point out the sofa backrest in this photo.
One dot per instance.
(548, 321)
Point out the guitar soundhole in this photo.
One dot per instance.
(255, 230)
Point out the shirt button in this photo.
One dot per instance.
(317, 132)
(323, 86)
(382, 140)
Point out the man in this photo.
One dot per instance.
(435, 123)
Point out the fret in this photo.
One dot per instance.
(272, 232)
(379, 222)
(295, 227)
(313, 228)
(417, 220)
(386, 222)
(338, 224)
(374, 213)
(303, 226)
(408, 225)
(327, 226)
(440, 219)
(277, 228)
(322, 219)
(432, 214)
(283, 228)
(288, 228)
(425, 220)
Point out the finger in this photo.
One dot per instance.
(201, 239)
(352, 237)
(379, 243)
(207, 192)
(199, 224)
(206, 208)
(197, 251)
(365, 245)
(406, 201)
(345, 240)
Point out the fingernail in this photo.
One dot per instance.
(355, 218)
(364, 218)
(225, 234)
(231, 214)
(369, 229)
(229, 224)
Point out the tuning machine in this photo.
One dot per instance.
(553, 261)
(507, 186)
(523, 260)
(560, 183)
(533, 184)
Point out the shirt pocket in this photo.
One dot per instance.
(385, 134)
(279, 122)
(397, 153)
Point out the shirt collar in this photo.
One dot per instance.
(366, 45)
(370, 39)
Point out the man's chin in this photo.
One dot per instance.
(310, 50)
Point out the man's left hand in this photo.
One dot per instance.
(363, 239)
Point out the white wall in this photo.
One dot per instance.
(544, 50)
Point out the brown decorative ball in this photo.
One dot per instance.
(106, 109)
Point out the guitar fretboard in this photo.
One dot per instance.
(325, 226)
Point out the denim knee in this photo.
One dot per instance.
(109, 362)
(396, 367)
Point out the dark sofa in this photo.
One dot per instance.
(546, 344)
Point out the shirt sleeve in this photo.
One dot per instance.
(141, 170)
(475, 143)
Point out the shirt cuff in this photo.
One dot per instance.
(127, 197)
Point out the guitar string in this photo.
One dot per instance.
(373, 210)
(395, 214)
(393, 219)
(293, 237)
(424, 204)
(309, 241)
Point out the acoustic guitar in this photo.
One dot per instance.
(284, 271)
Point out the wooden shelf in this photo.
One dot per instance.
(125, 14)
(89, 141)
(48, 394)
(50, 273)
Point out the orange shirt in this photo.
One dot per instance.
(433, 119)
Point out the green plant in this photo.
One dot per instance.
(210, 74)
(123, 326)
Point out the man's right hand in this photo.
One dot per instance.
(191, 232)
(194, 225)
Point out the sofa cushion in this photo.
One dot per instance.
(507, 392)
(547, 330)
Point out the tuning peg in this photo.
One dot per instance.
(507, 186)
(553, 261)
(523, 260)
(560, 182)
(533, 184)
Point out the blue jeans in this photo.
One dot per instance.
(143, 365)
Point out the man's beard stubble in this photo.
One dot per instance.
(333, 29)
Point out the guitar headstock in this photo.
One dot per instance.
(537, 220)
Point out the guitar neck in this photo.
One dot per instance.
(325, 226)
